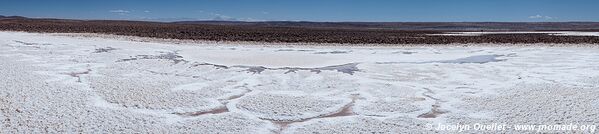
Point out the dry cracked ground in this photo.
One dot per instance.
(63, 84)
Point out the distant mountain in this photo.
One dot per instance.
(448, 26)
(12, 17)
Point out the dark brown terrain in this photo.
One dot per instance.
(314, 32)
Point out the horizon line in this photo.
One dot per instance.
(258, 21)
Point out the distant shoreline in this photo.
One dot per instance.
(306, 32)
(304, 44)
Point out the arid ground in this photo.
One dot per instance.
(352, 33)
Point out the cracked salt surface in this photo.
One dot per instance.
(61, 84)
(542, 103)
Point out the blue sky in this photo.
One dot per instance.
(309, 10)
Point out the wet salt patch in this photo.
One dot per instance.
(480, 59)
(31, 43)
(333, 52)
(301, 50)
(475, 59)
(104, 50)
(257, 58)
(404, 52)
(173, 56)
(289, 59)
(349, 68)
(262, 59)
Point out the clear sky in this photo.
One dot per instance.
(309, 10)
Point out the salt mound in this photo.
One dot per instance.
(149, 93)
(287, 106)
(535, 104)
(30, 104)
(226, 123)
(385, 107)
(358, 124)
(154, 92)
